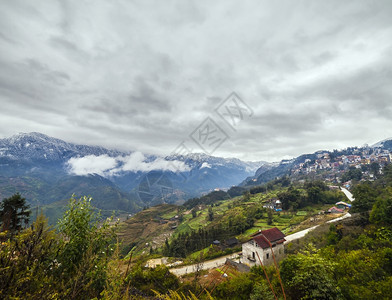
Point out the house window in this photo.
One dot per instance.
(280, 251)
(267, 256)
(253, 256)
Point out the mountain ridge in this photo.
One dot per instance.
(271, 171)
(41, 163)
(38, 165)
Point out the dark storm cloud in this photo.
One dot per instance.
(143, 101)
(142, 75)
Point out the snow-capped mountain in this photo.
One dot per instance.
(38, 146)
(386, 144)
(203, 160)
(54, 163)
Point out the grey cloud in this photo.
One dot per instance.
(143, 75)
(39, 69)
(324, 57)
(6, 38)
(65, 45)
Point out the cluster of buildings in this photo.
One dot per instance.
(339, 208)
(336, 163)
(274, 204)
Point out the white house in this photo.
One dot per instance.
(263, 243)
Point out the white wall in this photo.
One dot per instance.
(250, 247)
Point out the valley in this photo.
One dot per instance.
(195, 150)
(157, 234)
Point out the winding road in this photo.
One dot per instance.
(348, 194)
(215, 263)
(302, 233)
(209, 264)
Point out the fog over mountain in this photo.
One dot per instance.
(174, 149)
(47, 170)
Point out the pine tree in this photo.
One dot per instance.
(13, 213)
(270, 217)
(210, 214)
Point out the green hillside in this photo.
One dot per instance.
(349, 259)
(222, 219)
(50, 197)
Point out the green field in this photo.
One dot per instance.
(151, 227)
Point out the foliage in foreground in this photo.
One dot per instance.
(353, 260)
(39, 263)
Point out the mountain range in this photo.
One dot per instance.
(47, 170)
(268, 172)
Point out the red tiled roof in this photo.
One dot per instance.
(261, 241)
(274, 235)
(334, 208)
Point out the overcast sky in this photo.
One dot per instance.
(143, 75)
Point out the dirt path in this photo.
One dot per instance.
(210, 264)
(302, 233)
(215, 263)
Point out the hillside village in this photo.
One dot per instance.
(332, 165)
(224, 247)
(260, 247)
(186, 150)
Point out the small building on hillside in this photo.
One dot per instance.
(343, 205)
(335, 210)
(333, 187)
(261, 246)
(216, 243)
(274, 204)
(153, 263)
(278, 205)
(231, 243)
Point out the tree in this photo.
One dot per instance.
(28, 263)
(236, 191)
(198, 267)
(194, 213)
(335, 234)
(238, 287)
(14, 212)
(382, 210)
(375, 168)
(145, 282)
(363, 273)
(210, 214)
(285, 181)
(246, 197)
(269, 217)
(166, 248)
(309, 276)
(364, 168)
(352, 173)
(314, 194)
(261, 291)
(365, 196)
(86, 249)
(387, 171)
(291, 198)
